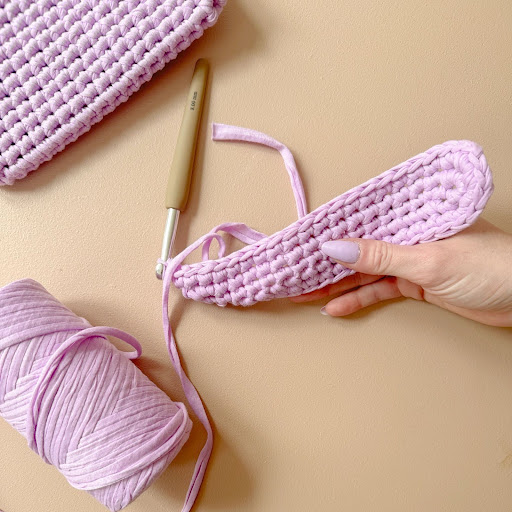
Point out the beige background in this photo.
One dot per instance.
(403, 407)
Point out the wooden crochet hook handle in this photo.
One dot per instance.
(180, 174)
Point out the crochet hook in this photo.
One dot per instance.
(178, 185)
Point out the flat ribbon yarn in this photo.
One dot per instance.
(82, 405)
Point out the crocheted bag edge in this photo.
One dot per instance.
(93, 113)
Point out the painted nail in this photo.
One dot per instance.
(341, 250)
(324, 312)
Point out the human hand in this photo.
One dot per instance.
(469, 274)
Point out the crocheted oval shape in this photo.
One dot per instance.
(429, 197)
(65, 64)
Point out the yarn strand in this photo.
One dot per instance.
(80, 402)
(190, 391)
(243, 233)
(225, 132)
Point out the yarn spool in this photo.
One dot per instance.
(81, 403)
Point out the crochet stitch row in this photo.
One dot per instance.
(430, 196)
(65, 64)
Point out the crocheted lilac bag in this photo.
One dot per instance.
(429, 197)
(65, 64)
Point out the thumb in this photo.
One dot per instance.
(377, 258)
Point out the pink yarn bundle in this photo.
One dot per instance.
(82, 405)
(429, 197)
(65, 64)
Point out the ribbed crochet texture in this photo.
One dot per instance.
(83, 406)
(65, 64)
(429, 197)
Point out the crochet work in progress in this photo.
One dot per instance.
(65, 64)
(429, 197)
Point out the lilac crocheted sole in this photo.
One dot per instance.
(65, 64)
(429, 197)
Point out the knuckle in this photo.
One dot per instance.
(378, 257)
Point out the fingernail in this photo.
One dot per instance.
(324, 312)
(341, 250)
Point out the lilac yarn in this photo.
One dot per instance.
(429, 197)
(65, 64)
(83, 406)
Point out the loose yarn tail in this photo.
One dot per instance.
(243, 233)
(224, 132)
(191, 393)
(247, 235)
